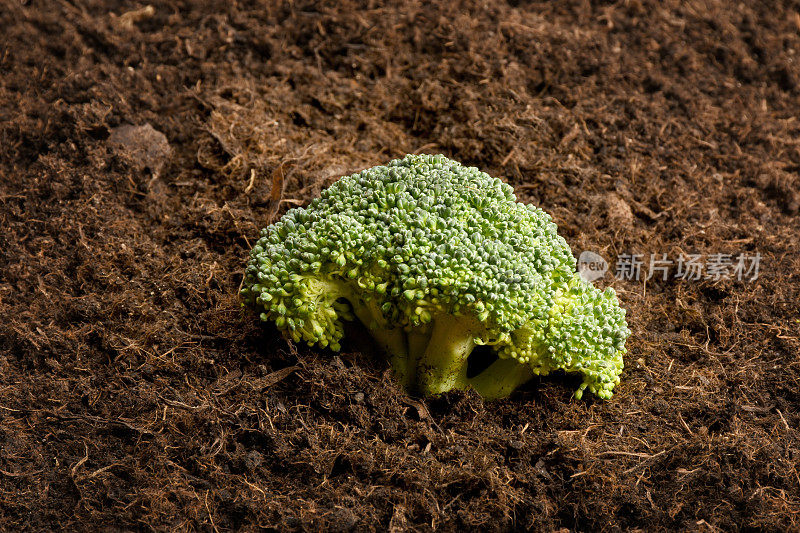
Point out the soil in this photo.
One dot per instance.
(144, 148)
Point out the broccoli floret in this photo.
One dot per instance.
(434, 259)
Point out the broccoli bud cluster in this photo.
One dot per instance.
(435, 258)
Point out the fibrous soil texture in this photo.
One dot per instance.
(143, 148)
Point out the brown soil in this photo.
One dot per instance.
(135, 393)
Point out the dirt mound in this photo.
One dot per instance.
(134, 392)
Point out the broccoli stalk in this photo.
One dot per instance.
(434, 258)
(432, 358)
(443, 364)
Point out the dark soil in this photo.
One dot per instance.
(134, 391)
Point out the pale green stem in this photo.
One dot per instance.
(392, 340)
(418, 339)
(500, 379)
(443, 366)
(433, 358)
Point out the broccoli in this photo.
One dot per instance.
(434, 259)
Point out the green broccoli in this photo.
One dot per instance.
(434, 259)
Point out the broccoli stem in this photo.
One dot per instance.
(418, 339)
(500, 379)
(443, 365)
(392, 340)
(433, 358)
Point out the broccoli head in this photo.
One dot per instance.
(434, 259)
